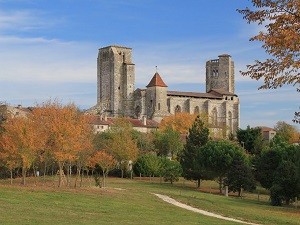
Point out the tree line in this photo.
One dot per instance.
(60, 138)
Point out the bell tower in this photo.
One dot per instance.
(220, 74)
(115, 80)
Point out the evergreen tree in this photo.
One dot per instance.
(251, 139)
(240, 177)
(286, 183)
(197, 137)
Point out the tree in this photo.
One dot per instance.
(287, 131)
(168, 142)
(105, 161)
(266, 165)
(148, 165)
(251, 139)
(180, 122)
(197, 137)
(144, 141)
(83, 145)
(240, 177)
(281, 38)
(286, 183)
(278, 170)
(63, 132)
(121, 144)
(21, 142)
(218, 156)
(172, 170)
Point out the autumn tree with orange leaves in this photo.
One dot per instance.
(281, 38)
(67, 135)
(181, 122)
(105, 161)
(20, 143)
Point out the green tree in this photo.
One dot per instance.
(121, 145)
(172, 170)
(251, 139)
(148, 165)
(218, 156)
(240, 177)
(266, 165)
(144, 141)
(168, 142)
(286, 183)
(197, 137)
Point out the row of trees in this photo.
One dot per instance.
(60, 136)
(51, 133)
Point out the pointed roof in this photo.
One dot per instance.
(156, 81)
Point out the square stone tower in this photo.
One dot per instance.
(115, 80)
(220, 74)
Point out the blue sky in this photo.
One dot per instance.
(48, 49)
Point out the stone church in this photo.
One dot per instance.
(117, 96)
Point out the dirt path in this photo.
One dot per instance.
(174, 202)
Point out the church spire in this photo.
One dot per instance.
(156, 81)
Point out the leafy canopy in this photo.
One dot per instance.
(281, 38)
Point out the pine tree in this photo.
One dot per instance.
(197, 137)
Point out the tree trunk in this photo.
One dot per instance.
(24, 170)
(11, 176)
(34, 174)
(81, 177)
(103, 183)
(220, 183)
(287, 201)
(45, 171)
(77, 176)
(198, 182)
(60, 181)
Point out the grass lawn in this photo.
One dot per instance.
(128, 201)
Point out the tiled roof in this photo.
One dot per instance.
(193, 94)
(264, 129)
(98, 120)
(221, 92)
(156, 81)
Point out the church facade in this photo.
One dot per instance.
(117, 96)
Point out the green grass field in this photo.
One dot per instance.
(128, 201)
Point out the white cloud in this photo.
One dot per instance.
(23, 20)
(24, 59)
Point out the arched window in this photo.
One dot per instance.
(197, 110)
(137, 111)
(158, 106)
(215, 117)
(177, 109)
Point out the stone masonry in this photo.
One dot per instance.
(116, 95)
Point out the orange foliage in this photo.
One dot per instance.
(280, 38)
(180, 122)
(20, 143)
(67, 135)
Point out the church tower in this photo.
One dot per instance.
(156, 98)
(115, 80)
(220, 74)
